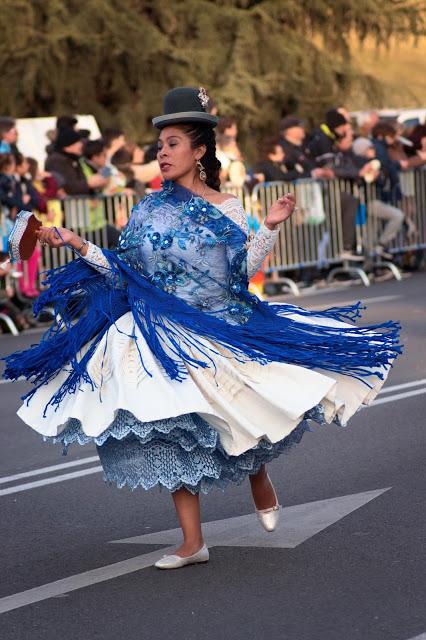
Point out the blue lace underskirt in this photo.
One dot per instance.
(184, 451)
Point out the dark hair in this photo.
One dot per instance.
(66, 121)
(6, 124)
(200, 134)
(32, 167)
(382, 129)
(151, 152)
(268, 145)
(417, 134)
(224, 123)
(93, 148)
(108, 135)
(6, 160)
(19, 158)
(123, 155)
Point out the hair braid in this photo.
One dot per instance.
(201, 134)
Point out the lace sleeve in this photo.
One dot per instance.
(262, 243)
(260, 247)
(96, 258)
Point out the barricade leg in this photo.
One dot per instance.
(10, 324)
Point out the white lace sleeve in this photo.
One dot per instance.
(261, 245)
(96, 258)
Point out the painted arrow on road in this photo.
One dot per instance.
(297, 524)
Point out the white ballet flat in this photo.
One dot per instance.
(268, 518)
(175, 562)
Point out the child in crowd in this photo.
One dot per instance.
(27, 198)
(7, 295)
(49, 190)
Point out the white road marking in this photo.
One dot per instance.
(81, 580)
(43, 470)
(41, 483)
(422, 636)
(398, 396)
(296, 525)
(404, 385)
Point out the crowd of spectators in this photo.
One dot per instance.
(379, 152)
(76, 165)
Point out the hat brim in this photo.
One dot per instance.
(184, 117)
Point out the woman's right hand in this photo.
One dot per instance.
(50, 236)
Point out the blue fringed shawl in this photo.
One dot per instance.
(87, 303)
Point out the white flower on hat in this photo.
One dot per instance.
(204, 98)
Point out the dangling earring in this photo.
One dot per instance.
(201, 169)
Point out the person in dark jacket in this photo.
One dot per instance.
(320, 145)
(272, 164)
(65, 161)
(292, 140)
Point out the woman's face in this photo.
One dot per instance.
(175, 155)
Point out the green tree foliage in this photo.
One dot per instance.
(258, 59)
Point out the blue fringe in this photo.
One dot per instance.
(88, 303)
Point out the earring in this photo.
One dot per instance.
(201, 169)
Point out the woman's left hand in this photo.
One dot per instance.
(280, 210)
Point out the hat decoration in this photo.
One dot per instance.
(185, 105)
(204, 98)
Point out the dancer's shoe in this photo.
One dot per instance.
(269, 517)
(176, 562)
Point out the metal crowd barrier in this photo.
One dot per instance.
(311, 239)
(98, 219)
(411, 235)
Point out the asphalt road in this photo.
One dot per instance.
(360, 576)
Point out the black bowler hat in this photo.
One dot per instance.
(185, 104)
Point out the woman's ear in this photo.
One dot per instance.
(200, 152)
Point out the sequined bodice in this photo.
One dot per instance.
(192, 250)
(187, 260)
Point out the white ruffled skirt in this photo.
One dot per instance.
(216, 426)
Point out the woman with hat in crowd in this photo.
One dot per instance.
(161, 357)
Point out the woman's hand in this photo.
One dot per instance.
(280, 211)
(50, 236)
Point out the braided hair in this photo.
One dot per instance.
(202, 134)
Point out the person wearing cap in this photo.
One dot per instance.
(297, 161)
(168, 364)
(320, 144)
(65, 161)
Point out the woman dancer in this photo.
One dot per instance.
(161, 357)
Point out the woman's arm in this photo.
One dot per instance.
(60, 237)
(261, 244)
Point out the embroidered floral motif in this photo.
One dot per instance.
(195, 250)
